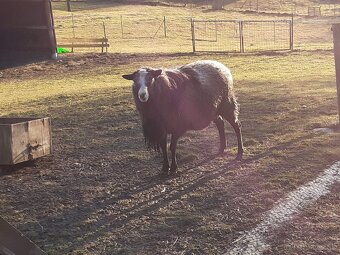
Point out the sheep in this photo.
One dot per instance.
(171, 102)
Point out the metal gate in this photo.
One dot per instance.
(241, 36)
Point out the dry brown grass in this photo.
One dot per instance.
(100, 191)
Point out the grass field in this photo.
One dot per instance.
(140, 29)
(101, 193)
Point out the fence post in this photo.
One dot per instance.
(336, 42)
(216, 34)
(164, 27)
(121, 25)
(291, 30)
(193, 35)
(74, 34)
(274, 31)
(104, 30)
(241, 37)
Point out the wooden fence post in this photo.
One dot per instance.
(164, 27)
(104, 30)
(336, 41)
(291, 29)
(274, 31)
(74, 34)
(241, 37)
(193, 35)
(121, 25)
(216, 34)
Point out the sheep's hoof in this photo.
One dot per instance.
(221, 151)
(163, 175)
(165, 171)
(173, 169)
(238, 157)
(175, 174)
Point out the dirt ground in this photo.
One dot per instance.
(315, 231)
(101, 193)
(74, 63)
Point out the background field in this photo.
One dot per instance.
(139, 28)
(100, 192)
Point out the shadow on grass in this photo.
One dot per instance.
(12, 169)
(101, 180)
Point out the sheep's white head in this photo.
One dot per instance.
(142, 80)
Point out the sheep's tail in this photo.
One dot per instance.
(151, 145)
(229, 108)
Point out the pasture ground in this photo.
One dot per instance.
(143, 26)
(100, 192)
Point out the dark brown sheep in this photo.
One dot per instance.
(187, 98)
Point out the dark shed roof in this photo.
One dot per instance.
(26, 31)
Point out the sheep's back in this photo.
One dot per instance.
(213, 79)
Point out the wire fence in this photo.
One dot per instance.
(167, 34)
(330, 8)
(241, 36)
(218, 36)
(132, 25)
(267, 35)
(129, 33)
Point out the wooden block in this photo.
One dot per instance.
(24, 139)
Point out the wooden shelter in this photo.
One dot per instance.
(26, 31)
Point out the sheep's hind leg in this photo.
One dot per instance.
(236, 124)
(163, 145)
(220, 126)
(173, 145)
(229, 112)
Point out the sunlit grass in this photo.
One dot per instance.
(139, 28)
(280, 89)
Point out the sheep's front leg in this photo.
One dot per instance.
(173, 145)
(164, 148)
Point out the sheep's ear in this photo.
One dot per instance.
(156, 73)
(129, 76)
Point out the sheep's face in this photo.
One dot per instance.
(142, 80)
